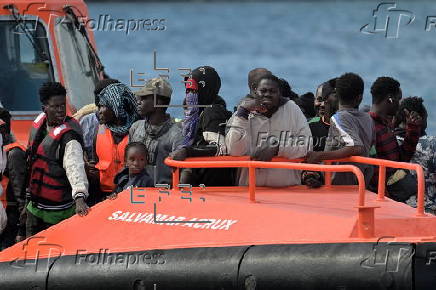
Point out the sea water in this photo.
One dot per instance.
(305, 42)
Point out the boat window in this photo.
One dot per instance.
(78, 66)
(24, 64)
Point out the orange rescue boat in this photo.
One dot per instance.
(335, 237)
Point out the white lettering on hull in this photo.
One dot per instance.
(162, 219)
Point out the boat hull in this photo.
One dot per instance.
(285, 266)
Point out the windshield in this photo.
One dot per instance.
(79, 67)
(24, 65)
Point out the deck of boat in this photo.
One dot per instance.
(146, 219)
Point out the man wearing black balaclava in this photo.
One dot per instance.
(204, 127)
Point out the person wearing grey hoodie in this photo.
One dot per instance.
(267, 125)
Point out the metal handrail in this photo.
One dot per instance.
(382, 163)
(245, 162)
(280, 162)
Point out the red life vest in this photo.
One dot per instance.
(49, 185)
(110, 157)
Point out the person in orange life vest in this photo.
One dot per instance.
(13, 180)
(58, 185)
(116, 113)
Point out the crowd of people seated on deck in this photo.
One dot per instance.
(122, 140)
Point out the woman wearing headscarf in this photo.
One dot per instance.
(204, 128)
(116, 113)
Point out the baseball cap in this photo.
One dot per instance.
(158, 86)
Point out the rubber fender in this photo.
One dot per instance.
(193, 268)
(339, 266)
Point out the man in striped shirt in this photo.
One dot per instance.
(386, 96)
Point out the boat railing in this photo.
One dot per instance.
(278, 162)
(365, 213)
(383, 164)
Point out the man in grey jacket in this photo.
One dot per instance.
(267, 125)
(158, 131)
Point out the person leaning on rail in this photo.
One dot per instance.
(263, 117)
(204, 128)
(351, 131)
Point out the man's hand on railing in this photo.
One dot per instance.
(180, 154)
(314, 157)
(265, 154)
(312, 179)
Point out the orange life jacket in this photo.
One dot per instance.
(5, 181)
(110, 157)
(11, 146)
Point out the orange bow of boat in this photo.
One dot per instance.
(197, 236)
